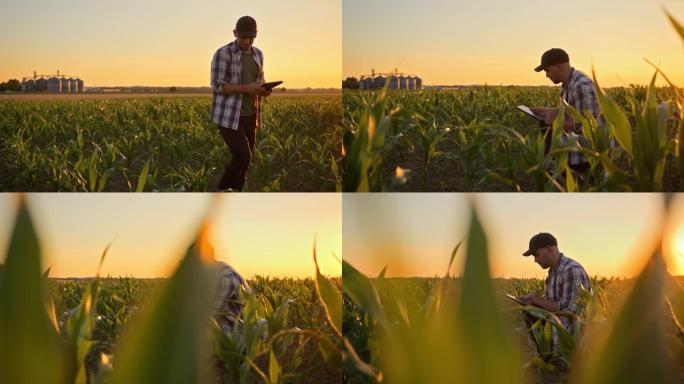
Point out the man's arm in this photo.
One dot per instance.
(542, 302)
(219, 84)
(549, 115)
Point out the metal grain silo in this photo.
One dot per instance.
(73, 86)
(394, 82)
(403, 82)
(54, 85)
(419, 83)
(65, 85)
(411, 83)
(40, 85)
(379, 82)
(79, 83)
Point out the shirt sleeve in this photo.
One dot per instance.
(226, 290)
(573, 278)
(219, 65)
(586, 101)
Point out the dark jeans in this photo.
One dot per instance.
(241, 145)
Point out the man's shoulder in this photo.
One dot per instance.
(570, 264)
(226, 49)
(581, 79)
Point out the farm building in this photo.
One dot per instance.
(52, 83)
(396, 81)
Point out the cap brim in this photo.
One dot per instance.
(539, 68)
(529, 252)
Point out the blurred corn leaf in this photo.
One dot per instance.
(360, 289)
(635, 350)
(491, 355)
(677, 26)
(330, 297)
(169, 344)
(31, 350)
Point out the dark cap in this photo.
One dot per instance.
(246, 27)
(551, 57)
(538, 241)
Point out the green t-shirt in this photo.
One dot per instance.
(249, 73)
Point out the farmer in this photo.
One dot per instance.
(563, 282)
(228, 303)
(237, 70)
(578, 91)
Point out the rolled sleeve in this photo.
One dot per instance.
(218, 71)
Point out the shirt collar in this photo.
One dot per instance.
(553, 270)
(570, 79)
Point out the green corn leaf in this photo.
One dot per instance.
(142, 179)
(169, 342)
(31, 350)
(486, 340)
(636, 334)
(330, 298)
(616, 118)
(362, 292)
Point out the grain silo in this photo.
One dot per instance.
(40, 85)
(379, 81)
(79, 84)
(73, 87)
(54, 85)
(65, 85)
(419, 83)
(393, 82)
(411, 83)
(403, 82)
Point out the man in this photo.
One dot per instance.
(228, 303)
(237, 70)
(577, 90)
(563, 283)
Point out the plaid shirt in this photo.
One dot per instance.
(227, 303)
(563, 287)
(579, 91)
(225, 69)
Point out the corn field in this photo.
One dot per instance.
(463, 329)
(474, 139)
(163, 144)
(126, 330)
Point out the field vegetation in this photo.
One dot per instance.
(163, 144)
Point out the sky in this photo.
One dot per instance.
(414, 234)
(167, 42)
(501, 41)
(264, 234)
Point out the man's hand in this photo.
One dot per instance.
(253, 89)
(266, 92)
(548, 114)
(531, 299)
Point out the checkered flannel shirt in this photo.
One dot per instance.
(227, 303)
(225, 69)
(580, 93)
(563, 287)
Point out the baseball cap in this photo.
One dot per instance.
(540, 240)
(551, 57)
(246, 27)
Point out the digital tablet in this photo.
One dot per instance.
(516, 299)
(271, 84)
(526, 110)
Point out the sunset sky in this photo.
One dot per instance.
(265, 234)
(414, 234)
(501, 41)
(164, 43)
